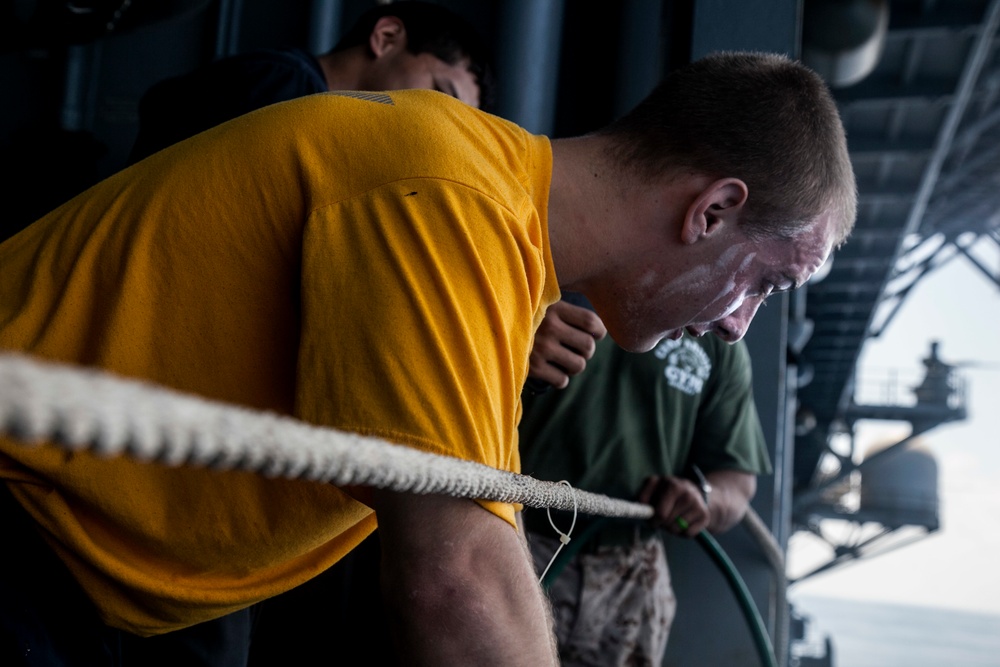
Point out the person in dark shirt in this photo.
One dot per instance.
(391, 47)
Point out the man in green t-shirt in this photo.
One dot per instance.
(675, 427)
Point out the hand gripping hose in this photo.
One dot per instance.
(86, 409)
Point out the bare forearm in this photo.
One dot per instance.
(731, 494)
(469, 596)
(470, 621)
(563, 343)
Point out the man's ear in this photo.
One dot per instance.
(717, 205)
(389, 33)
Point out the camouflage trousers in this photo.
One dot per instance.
(613, 607)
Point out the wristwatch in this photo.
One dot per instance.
(702, 483)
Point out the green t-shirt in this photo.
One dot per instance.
(629, 416)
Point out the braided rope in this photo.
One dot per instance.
(86, 409)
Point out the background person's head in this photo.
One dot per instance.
(428, 31)
(761, 118)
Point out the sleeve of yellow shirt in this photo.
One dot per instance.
(438, 355)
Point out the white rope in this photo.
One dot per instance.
(84, 409)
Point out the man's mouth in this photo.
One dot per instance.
(695, 332)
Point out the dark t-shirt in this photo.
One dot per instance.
(180, 107)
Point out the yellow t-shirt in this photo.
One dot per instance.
(376, 263)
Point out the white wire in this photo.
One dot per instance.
(564, 538)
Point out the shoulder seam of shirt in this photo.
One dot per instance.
(381, 98)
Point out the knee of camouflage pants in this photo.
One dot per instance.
(611, 607)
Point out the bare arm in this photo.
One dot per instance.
(673, 497)
(732, 491)
(564, 341)
(458, 585)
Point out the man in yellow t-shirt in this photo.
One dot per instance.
(377, 263)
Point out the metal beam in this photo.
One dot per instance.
(995, 277)
(885, 90)
(944, 18)
(979, 52)
(862, 148)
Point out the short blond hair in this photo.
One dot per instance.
(763, 118)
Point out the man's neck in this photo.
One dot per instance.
(342, 69)
(581, 199)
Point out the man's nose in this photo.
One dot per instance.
(733, 327)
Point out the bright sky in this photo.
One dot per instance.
(959, 565)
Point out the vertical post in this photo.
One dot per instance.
(325, 18)
(80, 86)
(640, 60)
(529, 39)
(228, 28)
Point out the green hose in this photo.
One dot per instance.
(761, 640)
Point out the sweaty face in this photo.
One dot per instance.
(721, 292)
(404, 70)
